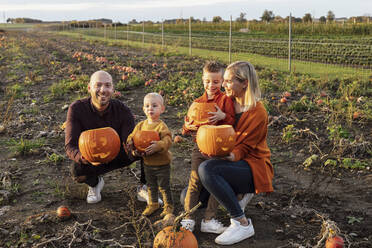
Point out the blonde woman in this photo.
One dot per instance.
(248, 168)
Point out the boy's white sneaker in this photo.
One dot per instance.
(235, 233)
(143, 196)
(212, 226)
(188, 224)
(245, 200)
(94, 193)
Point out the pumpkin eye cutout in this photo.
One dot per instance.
(142, 139)
(94, 145)
(216, 140)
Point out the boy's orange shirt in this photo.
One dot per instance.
(251, 146)
(224, 102)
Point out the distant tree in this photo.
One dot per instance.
(322, 19)
(133, 21)
(307, 18)
(330, 16)
(217, 19)
(278, 19)
(9, 20)
(241, 17)
(267, 16)
(204, 19)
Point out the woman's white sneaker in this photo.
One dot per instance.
(212, 226)
(235, 233)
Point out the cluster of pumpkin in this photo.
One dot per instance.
(103, 144)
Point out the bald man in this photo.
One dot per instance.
(96, 111)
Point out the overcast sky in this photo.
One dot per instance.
(157, 10)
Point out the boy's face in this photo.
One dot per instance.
(212, 82)
(153, 107)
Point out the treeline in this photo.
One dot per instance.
(23, 20)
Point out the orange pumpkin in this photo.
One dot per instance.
(216, 140)
(99, 145)
(63, 213)
(168, 238)
(142, 139)
(335, 242)
(198, 113)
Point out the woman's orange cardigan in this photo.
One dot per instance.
(251, 146)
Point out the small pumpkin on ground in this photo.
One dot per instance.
(175, 236)
(63, 213)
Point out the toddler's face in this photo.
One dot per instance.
(153, 107)
(212, 82)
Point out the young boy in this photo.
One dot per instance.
(156, 157)
(212, 81)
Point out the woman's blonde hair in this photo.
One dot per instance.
(243, 71)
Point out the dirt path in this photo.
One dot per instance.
(32, 185)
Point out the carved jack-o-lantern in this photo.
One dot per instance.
(142, 139)
(216, 140)
(99, 145)
(198, 113)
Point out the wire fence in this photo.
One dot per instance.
(319, 56)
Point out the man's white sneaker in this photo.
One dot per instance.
(245, 200)
(235, 233)
(143, 196)
(188, 224)
(212, 226)
(94, 193)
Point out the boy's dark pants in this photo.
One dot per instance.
(158, 179)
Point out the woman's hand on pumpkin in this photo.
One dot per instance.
(216, 116)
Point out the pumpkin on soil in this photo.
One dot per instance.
(170, 238)
(142, 139)
(63, 213)
(198, 113)
(335, 242)
(99, 145)
(216, 140)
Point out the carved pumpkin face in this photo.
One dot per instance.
(168, 238)
(198, 112)
(216, 140)
(142, 139)
(99, 145)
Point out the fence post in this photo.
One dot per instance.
(230, 37)
(190, 51)
(115, 30)
(127, 37)
(289, 42)
(143, 34)
(104, 30)
(162, 35)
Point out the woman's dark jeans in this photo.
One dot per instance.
(224, 179)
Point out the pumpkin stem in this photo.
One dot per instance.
(176, 223)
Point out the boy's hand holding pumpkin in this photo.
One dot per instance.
(153, 148)
(216, 116)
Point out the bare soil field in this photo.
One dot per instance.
(309, 199)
